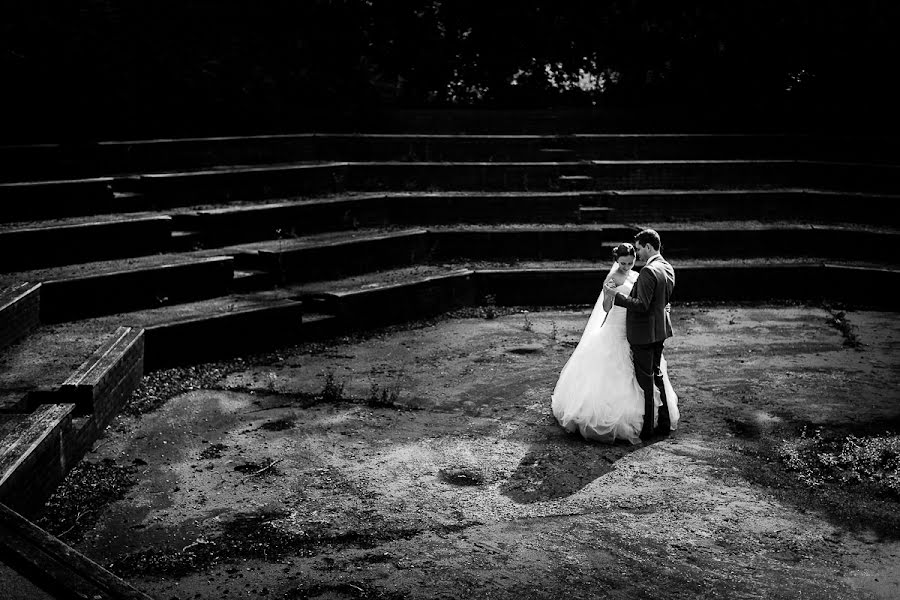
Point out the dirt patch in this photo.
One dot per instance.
(462, 484)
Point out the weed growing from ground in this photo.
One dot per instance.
(332, 391)
(839, 321)
(528, 324)
(382, 397)
(489, 311)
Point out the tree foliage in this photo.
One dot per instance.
(200, 66)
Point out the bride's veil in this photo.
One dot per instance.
(598, 315)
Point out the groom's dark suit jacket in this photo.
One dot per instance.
(647, 320)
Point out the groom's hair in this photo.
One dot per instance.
(648, 236)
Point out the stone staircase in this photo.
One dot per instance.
(130, 256)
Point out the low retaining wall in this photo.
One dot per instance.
(68, 244)
(458, 176)
(302, 261)
(121, 291)
(102, 383)
(236, 183)
(36, 455)
(54, 199)
(766, 204)
(404, 301)
(221, 335)
(55, 567)
(117, 157)
(20, 307)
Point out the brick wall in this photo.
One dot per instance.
(19, 311)
(35, 458)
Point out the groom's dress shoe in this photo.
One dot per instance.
(663, 422)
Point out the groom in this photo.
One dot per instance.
(647, 324)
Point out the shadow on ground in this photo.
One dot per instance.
(559, 465)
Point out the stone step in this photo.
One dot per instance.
(460, 176)
(346, 253)
(29, 444)
(229, 224)
(328, 256)
(374, 299)
(46, 245)
(135, 156)
(743, 174)
(526, 242)
(595, 214)
(810, 205)
(55, 566)
(30, 200)
(132, 288)
(182, 188)
(91, 289)
(20, 305)
(46, 361)
(268, 181)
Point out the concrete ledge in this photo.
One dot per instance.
(31, 200)
(727, 283)
(19, 311)
(774, 241)
(233, 183)
(210, 337)
(309, 260)
(420, 298)
(246, 223)
(335, 257)
(742, 204)
(524, 138)
(121, 291)
(409, 176)
(522, 243)
(540, 286)
(855, 176)
(267, 221)
(55, 567)
(689, 174)
(31, 444)
(69, 244)
(838, 290)
(104, 381)
(693, 174)
(180, 188)
(435, 208)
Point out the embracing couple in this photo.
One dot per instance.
(616, 385)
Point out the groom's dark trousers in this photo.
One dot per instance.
(647, 358)
(647, 325)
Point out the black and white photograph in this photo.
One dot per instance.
(439, 300)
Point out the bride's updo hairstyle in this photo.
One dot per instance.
(621, 250)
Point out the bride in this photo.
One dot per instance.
(597, 392)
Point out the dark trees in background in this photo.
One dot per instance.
(136, 68)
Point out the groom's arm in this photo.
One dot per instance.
(643, 295)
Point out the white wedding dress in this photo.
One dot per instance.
(597, 393)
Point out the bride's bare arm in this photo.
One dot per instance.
(608, 299)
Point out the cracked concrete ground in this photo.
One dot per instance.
(424, 462)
